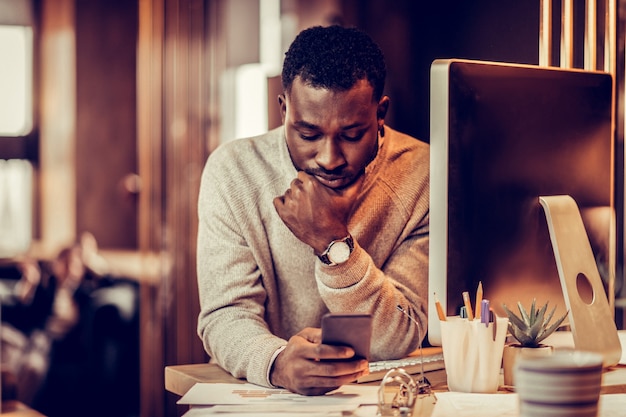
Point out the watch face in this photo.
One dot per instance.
(339, 252)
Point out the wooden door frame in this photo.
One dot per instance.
(178, 63)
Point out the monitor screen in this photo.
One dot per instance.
(501, 136)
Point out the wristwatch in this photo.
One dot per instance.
(338, 251)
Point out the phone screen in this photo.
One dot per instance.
(348, 329)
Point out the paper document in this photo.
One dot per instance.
(209, 411)
(245, 411)
(460, 404)
(250, 398)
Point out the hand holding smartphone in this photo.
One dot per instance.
(348, 329)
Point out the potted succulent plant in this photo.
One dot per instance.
(530, 328)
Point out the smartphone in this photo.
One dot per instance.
(348, 329)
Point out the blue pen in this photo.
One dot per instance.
(484, 312)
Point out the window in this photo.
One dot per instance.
(17, 48)
(16, 80)
(17, 138)
(16, 176)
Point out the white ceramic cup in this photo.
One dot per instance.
(565, 384)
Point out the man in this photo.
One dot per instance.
(270, 207)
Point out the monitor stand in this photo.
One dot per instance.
(591, 321)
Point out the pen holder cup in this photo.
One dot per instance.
(472, 353)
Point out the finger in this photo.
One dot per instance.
(318, 351)
(324, 375)
(333, 352)
(339, 372)
(312, 334)
(297, 182)
(314, 391)
(280, 200)
(319, 385)
(279, 203)
(303, 176)
(346, 370)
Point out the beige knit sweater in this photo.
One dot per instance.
(259, 284)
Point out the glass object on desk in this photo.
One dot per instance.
(400, 395)
(397, 393)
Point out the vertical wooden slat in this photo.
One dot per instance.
(611, 66)
(151, 219)
(567, 34)
(58, 126)
(590, 37)
(610, 38)
(545, 33)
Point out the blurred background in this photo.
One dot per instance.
(108, 110)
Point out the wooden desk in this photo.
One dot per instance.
(180, 378)
(614, 380)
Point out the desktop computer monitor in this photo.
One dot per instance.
(502, 135)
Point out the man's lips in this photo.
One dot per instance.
(333, 181)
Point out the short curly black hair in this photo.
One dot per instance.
(334, 58)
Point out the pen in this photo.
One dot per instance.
(485, 316)
(494, 318)
(479, 297)
(468, 306)
(440, 313)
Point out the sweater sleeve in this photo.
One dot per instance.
(389, 266)
(231, 323)
(359, 285)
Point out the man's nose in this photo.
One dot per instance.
(330, 155)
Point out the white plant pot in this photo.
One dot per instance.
(514, 351)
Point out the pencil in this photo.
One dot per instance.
(479, 298)
(468, 306)
(440, 313)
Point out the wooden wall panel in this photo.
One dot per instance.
(106, 145)
(176, 75)
(57, 169)
(149, 140)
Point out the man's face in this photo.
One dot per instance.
(332, 135)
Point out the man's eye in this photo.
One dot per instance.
(311, 136)
(352, 138)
